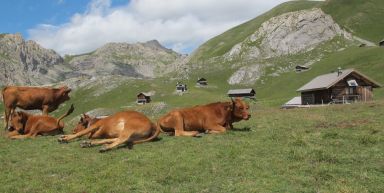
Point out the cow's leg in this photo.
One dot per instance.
(123, 138)
(45, 109)
(97, 142)
(66, 138)
(22, 136)
(216, 129)
(8, 112)
(179, 127)
(186, 133)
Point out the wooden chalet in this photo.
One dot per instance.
(143, 98)
(181, 87)
(299, 68)
(342, 86)
(245, 93)
(202, 82)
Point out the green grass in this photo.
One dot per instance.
(330, 149)
(362, 18)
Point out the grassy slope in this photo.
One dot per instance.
(330, 149)
(221, 44)
(362, 18)
(369, 60)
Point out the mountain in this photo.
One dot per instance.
(26, 62)
(140, 60)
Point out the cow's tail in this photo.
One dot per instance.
(153, 136)
(70, 110)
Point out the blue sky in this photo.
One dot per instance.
(17, 16)
(80, 26)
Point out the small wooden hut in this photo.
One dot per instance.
(245, 93)
(143, 98)
(381, 43)
(342, 86)
(299, 68)
(181, 87)
(202, 82)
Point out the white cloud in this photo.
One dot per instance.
(178, 24)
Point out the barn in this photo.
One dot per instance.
(245, 93)
(143, 98)
(342, 86)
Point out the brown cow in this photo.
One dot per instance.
(127, 127)
(29, 98)
(25, 125)
(211, 118)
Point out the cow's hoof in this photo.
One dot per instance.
(62, 140)
(85, 144)
(199, 135)
(103, 149)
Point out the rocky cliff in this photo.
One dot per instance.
(27, 63)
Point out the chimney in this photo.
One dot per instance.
(339, 71)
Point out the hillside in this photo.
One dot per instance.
(362, 18)
(140, 60)
(26, 62)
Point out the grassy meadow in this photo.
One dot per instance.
(336, 148)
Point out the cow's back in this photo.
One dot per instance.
(27, 98)
(112, 125)
(203, 116)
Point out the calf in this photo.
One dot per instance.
(25, 125)
(127, 127)
(212, 118)
(29, 98)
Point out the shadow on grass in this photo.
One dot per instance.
(244, 129)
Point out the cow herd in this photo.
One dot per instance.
(126, 127)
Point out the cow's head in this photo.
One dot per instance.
(240, 109)
(64, 93)
(84, 122)
(18, 121)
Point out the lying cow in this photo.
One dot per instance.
(211, 118)
(127, 127)
(30, 98)
(25, 125)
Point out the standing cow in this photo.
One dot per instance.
(29, 98)
(213, 118)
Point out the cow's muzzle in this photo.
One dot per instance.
(246, 117)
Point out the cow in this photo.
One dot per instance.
(29, 98)
(126, 127)
(25, 125)
(211, 118)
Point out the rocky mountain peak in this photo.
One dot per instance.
(26, 62)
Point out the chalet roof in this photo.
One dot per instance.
(241, 91)
(201, 79)
(147, 94)
(327, 80)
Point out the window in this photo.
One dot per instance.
(352, 83)
(351, 90)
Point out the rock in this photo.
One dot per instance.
(26, 62)
(246, 75)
